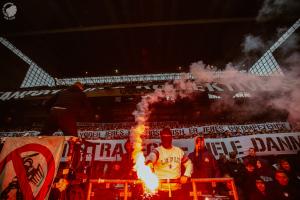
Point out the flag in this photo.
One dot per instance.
(28, 166)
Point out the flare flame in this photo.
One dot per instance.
(144, 173)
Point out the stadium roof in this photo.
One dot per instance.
(76, 38)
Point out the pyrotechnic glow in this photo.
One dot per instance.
(144, 172)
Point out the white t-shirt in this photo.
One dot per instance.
(167, 163)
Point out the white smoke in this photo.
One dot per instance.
(201, 73)
(275, 8)
(253, 43)
(291, 100)
(290, 45)
(283, 89)
(170, 91)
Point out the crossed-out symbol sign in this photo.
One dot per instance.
(15, 157)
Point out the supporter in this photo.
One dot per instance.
(292, 174)
(205, 164)
(264, 171)
(235, 168)
(228, 133)
(251, 155)
(250, 177)
(246, 132)
(222, 164)
(65, 108)
(239, 132)
(167, 161)
(261, 192)
(251, 132)
(127, 162)
(284, 189)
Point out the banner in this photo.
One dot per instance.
(265, 144)
(234, 88)
(188, 132)
(177, 132)
(28, 166)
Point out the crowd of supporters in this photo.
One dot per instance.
(263, 177)
(256, 178)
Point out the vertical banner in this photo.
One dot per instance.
(28, 166)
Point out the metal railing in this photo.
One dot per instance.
(195, 193)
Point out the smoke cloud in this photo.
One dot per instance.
(275, 8)
(253, 43)
(278, 92)
(169, 91)
(290, 45)
(283, 90)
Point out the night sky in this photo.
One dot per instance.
(68, 38)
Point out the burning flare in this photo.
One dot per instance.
(144, 172)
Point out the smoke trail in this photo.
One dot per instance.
(169, 91)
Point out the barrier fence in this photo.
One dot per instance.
(195, 193)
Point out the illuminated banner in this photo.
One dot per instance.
(187, 132)
(28, 166)
(177, 132)
(265, 144)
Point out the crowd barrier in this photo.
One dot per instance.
(195, 193)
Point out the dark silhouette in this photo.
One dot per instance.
(65, 107)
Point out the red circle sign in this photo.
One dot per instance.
(15, 157)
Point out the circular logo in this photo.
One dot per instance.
(21, 173)
(9, 11)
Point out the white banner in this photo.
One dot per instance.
(265, 144)
(28, 166)
(177, 132)
(187, 132)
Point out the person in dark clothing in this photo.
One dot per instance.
(222, 164)
(292, 174)
(261, 191)
(236, 170)
(124, 168)
(284, 189)
(249, 178)
(205, 164)
(264, 171)
(127, 162)
(65, 107)
(251, 155)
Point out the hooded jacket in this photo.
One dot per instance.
(205, 164)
